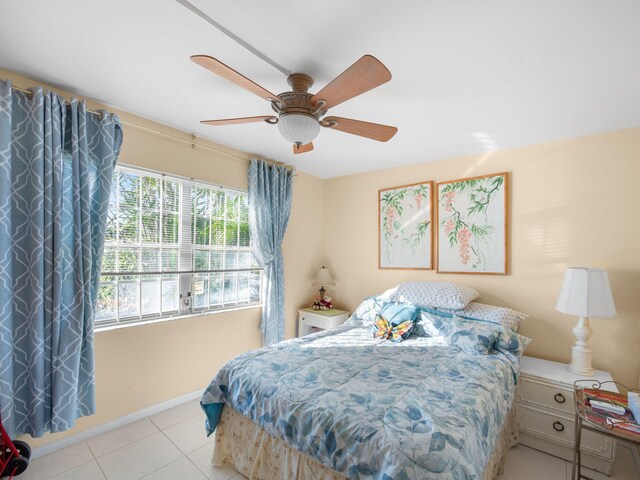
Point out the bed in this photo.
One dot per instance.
(341, 403)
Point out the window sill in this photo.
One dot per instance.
(117, 326)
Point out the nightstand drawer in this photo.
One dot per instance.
(560, 430)
(544, 394)
(317, 321)
(310, 321)
(545, 425)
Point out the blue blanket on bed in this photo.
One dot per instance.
(372, 409)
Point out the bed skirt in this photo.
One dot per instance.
(259, 456)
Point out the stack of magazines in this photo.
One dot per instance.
(624, 421)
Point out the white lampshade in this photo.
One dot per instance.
(586, 293)
(323, 278)
(298, 128)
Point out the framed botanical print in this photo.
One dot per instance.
(405, 227)
(473, 225)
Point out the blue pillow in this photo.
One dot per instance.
(396, 313)
(490, 313)
(472, 337)
(430, 324)
(508, 340)
(511, 342)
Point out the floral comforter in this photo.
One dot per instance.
(372, 409)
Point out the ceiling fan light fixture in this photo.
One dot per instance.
(298, 128)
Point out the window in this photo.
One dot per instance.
(174, 247)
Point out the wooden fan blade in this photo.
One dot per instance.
(302, 148)
(228, 73)
(362, 76)
(375, 131)
(234, 121)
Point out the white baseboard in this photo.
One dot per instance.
(117, 423)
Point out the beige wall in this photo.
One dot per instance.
(137, 367)
(573, 203)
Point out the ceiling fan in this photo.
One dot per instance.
(300, 113)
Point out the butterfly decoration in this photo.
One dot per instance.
(382, 328)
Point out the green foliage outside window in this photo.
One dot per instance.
(143, 235)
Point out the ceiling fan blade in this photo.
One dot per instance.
(375, 131)
(302, 148)
(234, 121)
(362, 76)
(216, 66)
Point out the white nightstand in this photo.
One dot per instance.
(546, 414)
(310, 320)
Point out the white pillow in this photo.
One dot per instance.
(490, 313)
(435, 294)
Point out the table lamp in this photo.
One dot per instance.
(323, 279)
(585, 293)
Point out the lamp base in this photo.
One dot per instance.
(580, 352)
(580, 369)
(591, 373)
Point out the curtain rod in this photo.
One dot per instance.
(30, 93)
(194, 144)
(191, 142)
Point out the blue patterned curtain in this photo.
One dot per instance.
(56, 164)
(270, 188)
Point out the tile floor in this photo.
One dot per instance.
(172, 446)
(525, 463)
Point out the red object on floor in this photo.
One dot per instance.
(14, 456)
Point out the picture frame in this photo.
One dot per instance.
(473, 225)
(405, 227)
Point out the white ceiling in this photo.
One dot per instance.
(468, 76)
